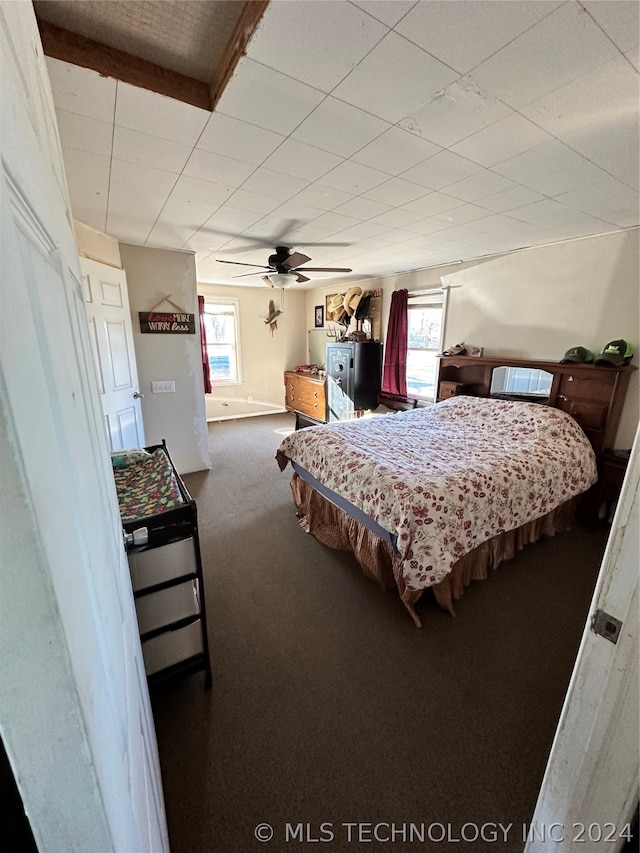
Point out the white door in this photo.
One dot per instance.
(111, 336)
(590, 788)
(75, 715)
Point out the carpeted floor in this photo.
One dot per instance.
(330, 708)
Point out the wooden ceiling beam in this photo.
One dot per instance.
(236, 48)
(110, 62)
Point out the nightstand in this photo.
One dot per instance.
(613, 468)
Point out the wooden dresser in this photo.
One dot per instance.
(305, 395)
(593, 395)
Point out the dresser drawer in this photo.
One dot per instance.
(157, 565)
(449, 389)
(167, 606)
(172, 647)
(589, 415)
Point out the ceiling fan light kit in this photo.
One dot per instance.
(284, 268)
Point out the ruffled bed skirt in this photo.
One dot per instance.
(334, 528)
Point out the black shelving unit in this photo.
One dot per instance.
(168, 588)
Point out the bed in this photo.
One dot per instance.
(436, 497)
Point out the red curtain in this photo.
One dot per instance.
(203, 347)
(394, 377)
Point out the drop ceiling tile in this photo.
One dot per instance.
(195, 189)
(295, 212)
(614, 203)
(135, 147)
(339, 128)
(395, 80)
(90, 208)
(634, 57)
(254, 202)
(353, 178)
(395, 192)
(560, 48)
(82, 91)
(595, 104)
(426, 226)
(331, 222)
(550, 214)
(302, 161)
(432, 203)
(510, 199)
(139, 175)
(500, 141)
(231, 219)
(455, 112)
(395, 151)
(165, 234)
(218, 169)
(128, 230)
(464, 34)
(544, 160)
(362, 231)
(463, 214)
(479, 185)
(362, 208)
(121, 197)
(148, 112)
(238, 139)
(317, 43)
(389, 12)
(188, 212)
(256, 94)
(85, 170)
(81, 133)
(619, 20)
(442, 169)
(507, 227)
(274, 184)
(396, 218)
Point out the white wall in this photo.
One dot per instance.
(537, 303)
(179, 417)
(264, 356)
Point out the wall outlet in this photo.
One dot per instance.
(163, 386)
(249, 399)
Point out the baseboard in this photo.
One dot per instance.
(247, 415)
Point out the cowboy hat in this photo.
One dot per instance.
(351, 299)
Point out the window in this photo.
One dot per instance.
(222, 327)
(425, 324)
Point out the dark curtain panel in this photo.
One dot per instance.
(203, 344)
(394, 377)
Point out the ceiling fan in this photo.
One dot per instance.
(284, 267)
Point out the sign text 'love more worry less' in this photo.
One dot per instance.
(167, 324)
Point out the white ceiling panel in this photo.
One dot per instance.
(387, 11)
(151, 113)
(442, 169)
(395, 80)
(502, 140)
(465, 34)
(454, 113)
(216, 168)
(82, 91)
(560, 48)
(258, 95)
(467, 129)
(136, 147)
(395, 151)
(302, 161)
(239, 140)
(353, 178)
(81, 133)
(619, 20)
(339, 128)
(317, 43)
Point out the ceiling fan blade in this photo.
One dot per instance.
(241, 264)
(300, 278)
(295, 260)
(324, 269)
(242, 275)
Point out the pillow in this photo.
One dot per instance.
(123, 458)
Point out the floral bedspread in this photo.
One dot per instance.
(147, 487)
(446, 478)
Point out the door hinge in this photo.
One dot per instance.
(605, 625)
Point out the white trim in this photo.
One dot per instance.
(247, 415)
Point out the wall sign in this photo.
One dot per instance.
(153, 322)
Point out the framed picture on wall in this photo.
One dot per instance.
(319, 316)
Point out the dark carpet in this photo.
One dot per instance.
(329, 708)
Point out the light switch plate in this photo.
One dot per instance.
(163, 386)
